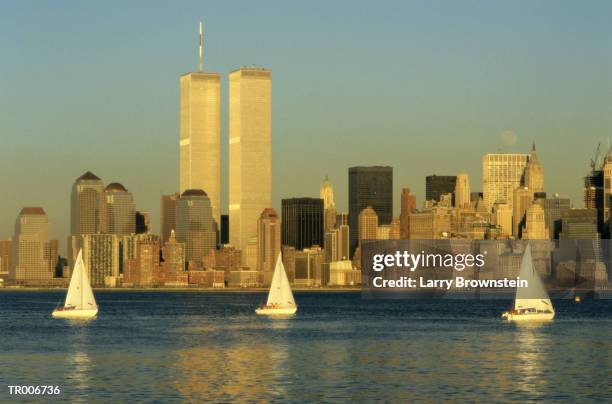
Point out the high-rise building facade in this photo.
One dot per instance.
(502, 173)
(438, 185)
(462, 191)
(326, 192)
(535, 224)
(369, 186)
(101, 257)
(195, 225)
(168, 215)
(534, 173)
(120, 210)
(368, 225)
(34, 253)
(408, 206)
(554, 209)
(268, 240)
(87, 208)
(6, 248)
(302, 222)
(522, 199)
(200, 136)
(250, 151)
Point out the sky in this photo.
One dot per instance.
(426, 87)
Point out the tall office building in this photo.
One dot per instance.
(34, 253)
(326, 192)
(87, 209)
(534, 173)
(200, 134)
(368, 225)
(502, 212)
(462, 191)
(408, 207)
(521, 201)
(195, 225)
(438, 185)
(168, 214)
(535, 224)
(501, 175)
(268, 240)
(554, 209)
(102, 258)
(250, 151)
(6, 247)
(120, 210)
(302, 222)
(369, 186)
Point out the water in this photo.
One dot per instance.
(190, 346)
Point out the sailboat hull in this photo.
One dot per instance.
(263, 311)
(528, 316)
(75, 314)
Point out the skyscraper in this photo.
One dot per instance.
(368, 225)
(168, 214)
(554, 209)
(534, 173)
(302, 222)
(34, 253)
(438, 185)
(501, 175)
(120, 210)
(521, 201)
(268, 240)
(535, 224)
(408, 206)
(462, 191)
(87, 210)
(200, 134)
(369, 186)
(250, 151)
(194, 224)
(101, 257)
(326, 193)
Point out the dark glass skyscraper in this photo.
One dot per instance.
(302, 225)
(438, 185)
(369, 186)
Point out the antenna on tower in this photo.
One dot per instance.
(201, 45)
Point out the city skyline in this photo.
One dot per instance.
(342, 140)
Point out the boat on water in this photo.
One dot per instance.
(80, 302)
(280, 298)
(531, 303)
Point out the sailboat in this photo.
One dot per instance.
(532, 302)
(80, 301)
(280, 299)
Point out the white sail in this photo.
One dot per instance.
(534, 295)
(280, 290)
(80, 295)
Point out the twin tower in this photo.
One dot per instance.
(250, 144)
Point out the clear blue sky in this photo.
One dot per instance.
(426, 87)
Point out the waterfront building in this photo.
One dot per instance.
(534, 173)
(502, 173)
(462, 191)
(302, 222)
(120, 210)
(408, 206)
(34, 252)
(250, 151)
(521, 201)
(368, 225)
(101, 258)
(369, 186)
(168, 214)
(438, 185)
(200, 134)
(195, 225)
(268, 240)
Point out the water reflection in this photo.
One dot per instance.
(234, 369)
(78, 361)
(532, 349)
